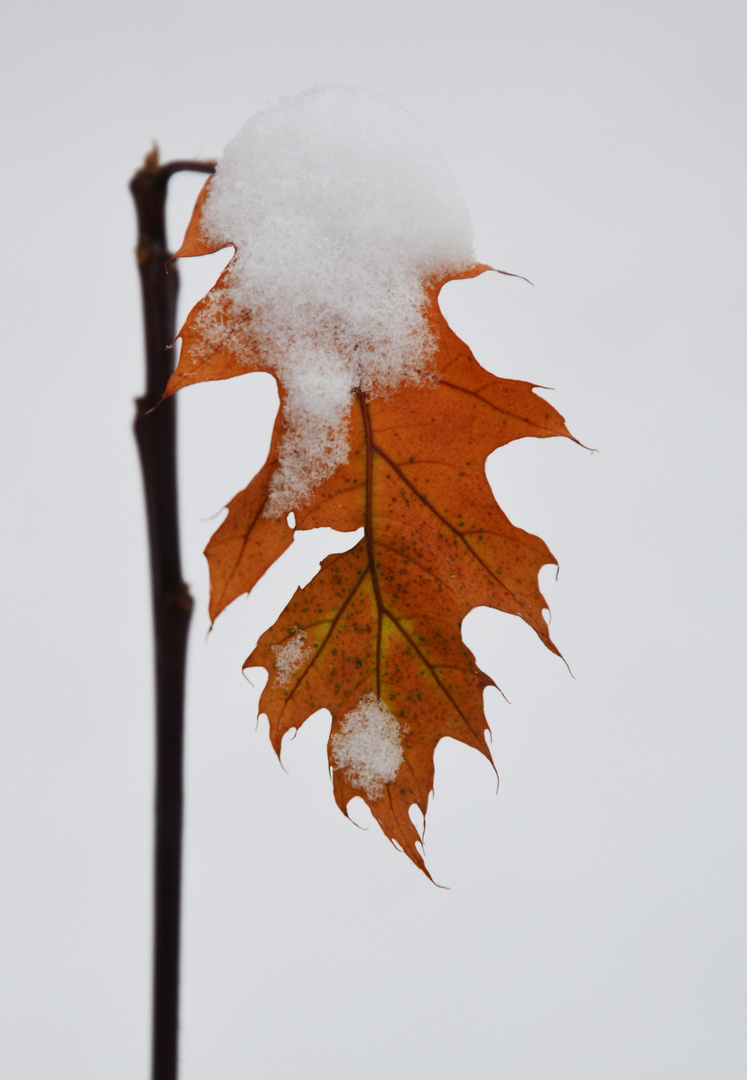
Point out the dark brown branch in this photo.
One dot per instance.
(155, 433)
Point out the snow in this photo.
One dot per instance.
(368, 746)
(289, 657)
(341, 208)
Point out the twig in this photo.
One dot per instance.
(155, 433)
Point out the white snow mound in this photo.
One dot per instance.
(368, 746)
(340, 207)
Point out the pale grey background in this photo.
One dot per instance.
(594, 927)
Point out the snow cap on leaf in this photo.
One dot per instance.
(341, 209)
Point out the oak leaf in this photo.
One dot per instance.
(375, 637)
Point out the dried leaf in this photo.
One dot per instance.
(375, 637)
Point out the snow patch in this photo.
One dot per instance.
(341, 208)
(290, 657)
(368, 746)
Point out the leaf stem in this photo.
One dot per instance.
(155, 433)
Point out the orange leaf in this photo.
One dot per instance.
(375, 637)
(382, 621)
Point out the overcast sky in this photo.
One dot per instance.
(594, 924)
